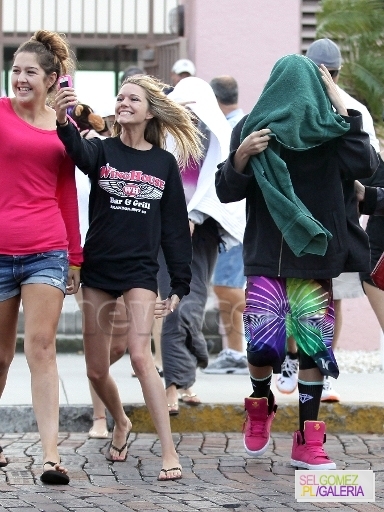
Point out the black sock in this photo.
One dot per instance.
(293, 355)
(309, 401)
(261, 387)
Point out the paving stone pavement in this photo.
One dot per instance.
(217, 475)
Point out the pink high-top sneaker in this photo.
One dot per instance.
(257, 425)
(307, 451)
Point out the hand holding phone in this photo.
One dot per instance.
(65, 81)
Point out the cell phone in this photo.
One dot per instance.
(65, 81)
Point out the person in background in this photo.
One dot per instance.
(183, 344)
(375, 232)
(40, 252)
(136, 205)
(347, 285)
(290, 166)
(228, 278)
(93, 125)
(371, 199)
(182, 68)
(131, 71)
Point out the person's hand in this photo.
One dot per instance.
(332, 91)
(165, 307)
(73, 280)
(359, 191)
(255, 143)
(65, 98)
(191, 227)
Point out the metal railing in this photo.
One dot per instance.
(88, 18)
(131, 24)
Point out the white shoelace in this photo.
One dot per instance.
(289, 367)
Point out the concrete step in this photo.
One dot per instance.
(347, 418)
(361, 409)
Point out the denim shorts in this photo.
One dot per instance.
(44, 268)
(229, 270)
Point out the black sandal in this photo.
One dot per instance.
(111, 445)
(52, 476)
(3, 464)
(178, 468)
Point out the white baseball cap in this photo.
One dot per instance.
(184, 66)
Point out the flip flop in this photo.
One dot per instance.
(173, 409)
(3, 464)
(185, 396)
(92, 434)
(111, 445)
(53, 476)
(98, 435)
(178, 468)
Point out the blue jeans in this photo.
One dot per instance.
(229, 269)
(44, 268)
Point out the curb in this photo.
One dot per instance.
(340, 418)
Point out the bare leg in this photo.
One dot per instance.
(42, 306)
(338, 322)
(231, 306)
(172, 396)
(140, 304)
(291, 345)
(260, 372)
(118, 348)
(9, 311)
(376, 299)
(98, 309)
(156, 335)
(311, 375)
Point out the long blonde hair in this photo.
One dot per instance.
(169, 117)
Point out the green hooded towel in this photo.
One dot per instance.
(295, 106)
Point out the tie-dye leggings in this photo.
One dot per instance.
(277, 308)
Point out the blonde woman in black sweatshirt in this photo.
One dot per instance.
(136, 205)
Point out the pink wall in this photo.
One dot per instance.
(242, 38)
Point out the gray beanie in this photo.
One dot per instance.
(325, 51)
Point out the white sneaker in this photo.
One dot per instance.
(227, 363)
(286, 382)
(329, 394)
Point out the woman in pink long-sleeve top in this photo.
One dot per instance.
(40, 252)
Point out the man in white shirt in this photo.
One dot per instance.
(228, 278)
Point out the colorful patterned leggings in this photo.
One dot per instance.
(277, 308)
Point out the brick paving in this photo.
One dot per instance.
(217, 475)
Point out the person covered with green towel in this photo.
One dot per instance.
(287, 159)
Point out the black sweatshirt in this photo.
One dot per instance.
(323, 179)
(136, 204)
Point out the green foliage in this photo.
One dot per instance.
(357, 26)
